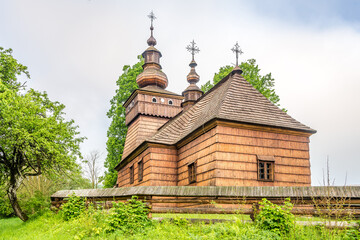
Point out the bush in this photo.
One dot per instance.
(73, 207)
(5, 207)
(35, 204)
(128, 217)
(275, 218)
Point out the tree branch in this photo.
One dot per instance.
(4, 161)
(33, 174)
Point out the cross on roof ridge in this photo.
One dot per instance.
(192, 48)
(237, 50)
(152, 17)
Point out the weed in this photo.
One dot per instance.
(128, 217)
(275, 218)
(73, 207)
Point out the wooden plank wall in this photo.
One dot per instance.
(124, 174)
(225, 156)
(203, 151)
(236, 158)
(160, 168)
(139, 130)
(325, 201)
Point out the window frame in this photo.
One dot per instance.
(154, 100)
(192, 172)
(140, 170)
(268, 165)
(132, 173)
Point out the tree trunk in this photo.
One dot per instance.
(14, 185)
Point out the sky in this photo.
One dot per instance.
(75, 51)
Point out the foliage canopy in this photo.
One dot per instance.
(35, 138)
(118, 129)
(251, 72)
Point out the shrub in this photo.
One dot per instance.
(275, 218)
(128, 217)
(5, 208)
(73, 207)
(35, 204)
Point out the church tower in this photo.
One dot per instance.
(150, 106)
(192, 93)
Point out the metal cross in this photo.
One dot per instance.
(152, 17)
(236, 49)
(192, 48)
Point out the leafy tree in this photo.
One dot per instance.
(251, 72)
(118, 129)
(34, 136)
(10, 69)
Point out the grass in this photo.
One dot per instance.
(52, 226)
(230, 217)
(203, 216)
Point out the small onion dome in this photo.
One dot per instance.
(151, 41)
(193, 77)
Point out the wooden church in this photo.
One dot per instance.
(230, 136)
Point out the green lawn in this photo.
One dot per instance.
(51, 226)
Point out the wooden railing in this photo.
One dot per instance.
(315, 201)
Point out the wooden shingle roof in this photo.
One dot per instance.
(348, 192)
(232, 99)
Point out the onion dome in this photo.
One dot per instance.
(152, 74)
(192, 93)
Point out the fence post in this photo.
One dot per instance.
(150, 207)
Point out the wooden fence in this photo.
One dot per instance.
(315, 201)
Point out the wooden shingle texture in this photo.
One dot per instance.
(232, 99)
(352, 192)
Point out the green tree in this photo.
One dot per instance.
(34, 136)
(118, 129)
(251, 72)
(10, 69)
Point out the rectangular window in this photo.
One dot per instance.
(192, 172)
(265, 170)
(132, 174)
(140, 170)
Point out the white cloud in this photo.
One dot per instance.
(75, 51)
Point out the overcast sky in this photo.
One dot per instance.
(75, 50)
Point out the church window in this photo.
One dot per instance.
(132, 174)
(192, 172)
(140, 170)
(266, 170)
(162, 100)
(170, 102)
(154, 100)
